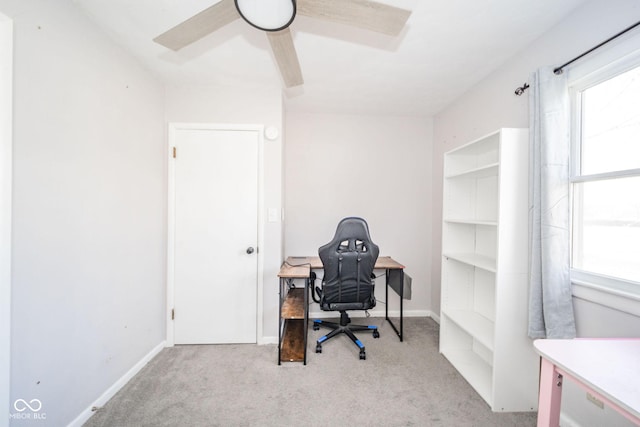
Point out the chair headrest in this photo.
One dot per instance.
(352, 234)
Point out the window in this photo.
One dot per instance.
(605, 179)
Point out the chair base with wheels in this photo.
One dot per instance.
(344, 327)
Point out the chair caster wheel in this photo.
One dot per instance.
(316, 327)
(363, 355)
(318, 348)
(376, 334)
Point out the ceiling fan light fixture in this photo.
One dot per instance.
(267, 15)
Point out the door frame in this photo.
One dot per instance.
(171, 219)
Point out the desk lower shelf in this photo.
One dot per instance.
(293, 341)
(292, 315)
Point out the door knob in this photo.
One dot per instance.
(249, 250)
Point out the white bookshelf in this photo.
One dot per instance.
(483, 330)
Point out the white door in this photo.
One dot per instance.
(216, 235)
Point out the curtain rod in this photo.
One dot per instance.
(559, 70)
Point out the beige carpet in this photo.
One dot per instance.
(400, 384)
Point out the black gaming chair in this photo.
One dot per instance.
(348, 284)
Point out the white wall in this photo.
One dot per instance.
(490, 105)
(88, 202)
(6, 103)
(375, 167)
(225, 105)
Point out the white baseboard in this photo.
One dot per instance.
(111, 391)
(435, 317)
(268, 340)
(567, 421)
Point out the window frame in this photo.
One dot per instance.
(614, 292)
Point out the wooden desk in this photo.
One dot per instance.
(609, 369)
(301, 266)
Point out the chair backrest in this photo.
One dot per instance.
(348, 262)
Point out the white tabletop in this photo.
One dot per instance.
(609, 366)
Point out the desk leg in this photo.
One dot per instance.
(386, 307)
(386, 296)
(401, 302)
(550, 395)
(306, 316)
(280, 318)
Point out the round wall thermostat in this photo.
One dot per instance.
(271, 132)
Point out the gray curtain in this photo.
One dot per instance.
(550, 305)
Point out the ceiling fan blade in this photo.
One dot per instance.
(199, 25)
(366, 14)
(286, 57)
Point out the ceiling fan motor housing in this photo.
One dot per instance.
(267, 15)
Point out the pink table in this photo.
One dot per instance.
(609, 369)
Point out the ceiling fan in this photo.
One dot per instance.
(275, 16)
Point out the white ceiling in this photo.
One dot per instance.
(446, 47)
